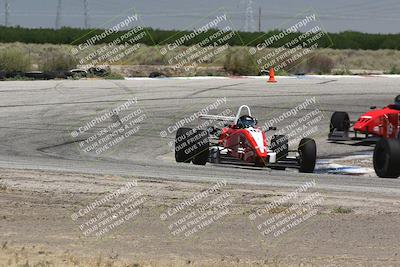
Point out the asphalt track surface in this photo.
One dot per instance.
(37, 118)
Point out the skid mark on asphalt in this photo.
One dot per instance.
(34, 129)
(42, 149)
(183, 97)
(212, 88)
(329, 81)
(61, 103)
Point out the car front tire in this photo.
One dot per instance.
(340, 121)
(307, 155)
(387, 158)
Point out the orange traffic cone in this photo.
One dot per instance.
(272, 76)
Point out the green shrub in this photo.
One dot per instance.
(297, 67)
(343, 71)
(281, 73)
(57, 61)
(320, 64)
(14, 60)
(113, 76)
(394, 70)
(239, 62)
(342, 210)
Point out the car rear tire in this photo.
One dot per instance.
(280, 145)
(340, 121)
(202, 145)
(307, 155)
(215, 155)
(387, 158)
(181, 144)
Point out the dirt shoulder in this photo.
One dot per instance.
(71, 219)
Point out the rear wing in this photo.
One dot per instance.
(217, 118)
(233, 120)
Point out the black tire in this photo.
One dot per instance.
(278, 168)
(215, 155)
(156, 74)
(38, 75)
(340, 121)
(260, 163)
(387, 158)
(96, 71)
(181, 145)
(14, 74)
(202, 144)
(280, 145)
(307, 155)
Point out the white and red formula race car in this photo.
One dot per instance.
(239, 140)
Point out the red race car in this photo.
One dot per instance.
(239, 140)
(372, 125)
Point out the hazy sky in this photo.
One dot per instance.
(360, 15)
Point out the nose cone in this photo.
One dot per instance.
(258, 140)
(363, 123)
(372, 120)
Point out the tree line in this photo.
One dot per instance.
(74, 36)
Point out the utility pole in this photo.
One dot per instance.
(86, 13)
(249, 23)
(7, 12)
(259, 19)
(58, 16)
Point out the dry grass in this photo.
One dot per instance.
(235, 59)
(12, 59)
(3, 187)
(56, 60)
(342, 210)
(40, 257)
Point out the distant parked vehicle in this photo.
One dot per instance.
(77, 73)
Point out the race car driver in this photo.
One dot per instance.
(397, 102)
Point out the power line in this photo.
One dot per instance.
(360, 6)
(233, 15)
(86, 13)
(249, 23)
(7, 13)
(58, 17)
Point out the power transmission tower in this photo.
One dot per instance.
(86, 13)
(249, 23)
(58, 17)
(259, 19)
(7, 13)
